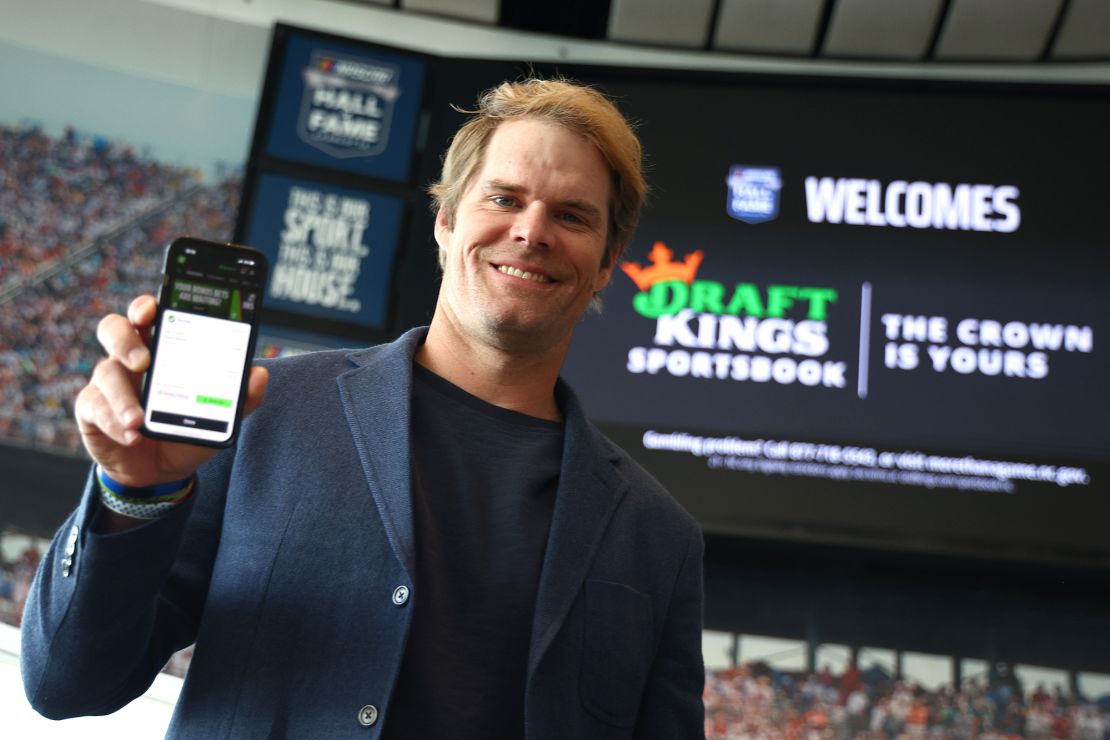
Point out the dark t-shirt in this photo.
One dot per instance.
(484, 482)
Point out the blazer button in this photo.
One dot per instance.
(71, 543)
(70, 551)
(401, 595)
(368, 715)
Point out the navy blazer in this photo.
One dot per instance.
(290, 567)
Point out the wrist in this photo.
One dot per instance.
(153, 491)
(142, 502)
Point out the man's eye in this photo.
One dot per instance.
(504, 201)
(573, 218)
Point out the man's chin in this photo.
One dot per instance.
(521, 335)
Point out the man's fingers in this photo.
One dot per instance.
(256, 388)
(116, 387)
(125, 339)
(122, 342)
(141, 313)
(96, 418)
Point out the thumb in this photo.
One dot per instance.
(256, 389)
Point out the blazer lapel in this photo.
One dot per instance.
(376, 399)
(589, 490)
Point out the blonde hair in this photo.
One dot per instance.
(582, 110)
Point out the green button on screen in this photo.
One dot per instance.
(225, 402)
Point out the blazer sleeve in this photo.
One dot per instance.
(672, 706)
(106, 611)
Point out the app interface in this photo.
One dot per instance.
(203, 337)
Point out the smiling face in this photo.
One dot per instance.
(523, 255)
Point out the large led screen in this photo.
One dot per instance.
(867, 313)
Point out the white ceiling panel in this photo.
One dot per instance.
(881, 29)
(483, 11)
(768, 26)
(1085, 32)
(997, 30)
(664, 22)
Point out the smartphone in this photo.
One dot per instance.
(202, 342)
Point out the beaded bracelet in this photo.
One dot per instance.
(149, 502)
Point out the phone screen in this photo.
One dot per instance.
(203, 341)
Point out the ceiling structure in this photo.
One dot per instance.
(921, 31)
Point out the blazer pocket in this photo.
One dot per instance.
(618, 651)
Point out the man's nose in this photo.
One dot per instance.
(532, 226)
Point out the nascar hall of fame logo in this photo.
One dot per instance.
(753, 193)
(348, 105)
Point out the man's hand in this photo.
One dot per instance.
(109, 415)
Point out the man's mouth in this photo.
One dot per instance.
(524, 274)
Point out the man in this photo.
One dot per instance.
(420, 540)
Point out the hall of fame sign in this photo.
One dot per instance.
(348, 105)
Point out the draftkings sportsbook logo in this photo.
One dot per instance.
(741, 332)
(347, 105)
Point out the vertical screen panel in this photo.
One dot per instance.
(331, 249)
(345, 106)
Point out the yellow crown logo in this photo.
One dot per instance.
(663, 267)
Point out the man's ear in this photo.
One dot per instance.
(443, 226)
(442, 233)
(604, 275)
